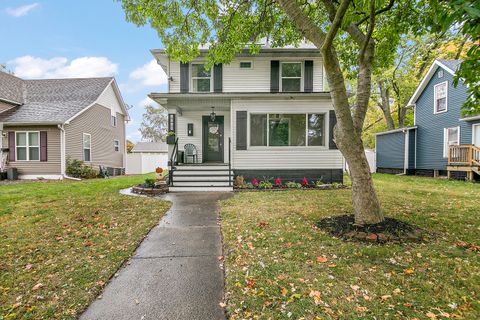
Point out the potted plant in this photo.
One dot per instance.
(171, 137)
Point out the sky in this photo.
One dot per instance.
(86, 38)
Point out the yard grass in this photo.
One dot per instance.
(280, 266)
(60, 242)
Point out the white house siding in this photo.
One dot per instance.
(195, 117)
(256, 79)
(109, 100)
(284, 157)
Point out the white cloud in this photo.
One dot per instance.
(150, 74)
(22, 10)
(60, 67)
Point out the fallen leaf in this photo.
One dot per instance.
(409, 271)
(37, 286)
(284, 291)
(322, 259)
(316, 296)
(431, 315)
(385, 297)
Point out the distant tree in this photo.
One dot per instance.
(154, 124)
(130, 146)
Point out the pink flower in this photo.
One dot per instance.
(278, 182)
(305, 182)
(255, 182)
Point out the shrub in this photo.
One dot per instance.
(293, 184)
(265, 185)
(78, 169)
(278, 182)
(150, 183)
(239, 181)
(255, 182)
(248, 185)
(319, 182)
(305, 182)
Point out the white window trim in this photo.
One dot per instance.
(116, 144)
(193, 78)
(326, 120)
(83, 147)
(435, 97)
(240, 63)
(27, 146)
(112, 121)
(445, 140)
(301, 75)
(473, 133)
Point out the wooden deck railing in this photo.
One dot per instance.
(464, 155)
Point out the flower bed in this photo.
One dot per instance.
(142, 189)
(279, 185)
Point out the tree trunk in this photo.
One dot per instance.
(385, 105)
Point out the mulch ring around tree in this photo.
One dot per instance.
(389, 231)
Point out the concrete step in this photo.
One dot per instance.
(201, 168)
(200, 183)
(200, 189)
(200, 173)
(207, 178)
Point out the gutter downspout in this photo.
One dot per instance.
(62, 154)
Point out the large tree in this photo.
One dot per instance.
(154, 124)
(353, 36)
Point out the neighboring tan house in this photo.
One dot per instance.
(46, 121)
(261, 116)
(442, 141)
(145, 157)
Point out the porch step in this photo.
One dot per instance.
(200, 189)
(201, 168)
(201, 173)
(201, 178)
(190, 183)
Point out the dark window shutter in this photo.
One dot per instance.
(11, 146)
(333, 122)
(274, 76)
(241, 130)
(43, 145)
(217, 78)
(308, 76)
(184, 78)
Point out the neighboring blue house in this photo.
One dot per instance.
(441, 142)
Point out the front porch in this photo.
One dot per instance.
(464, 158)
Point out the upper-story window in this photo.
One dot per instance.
(291, 77)
(440, 97)
(201, 78)
(114, 121)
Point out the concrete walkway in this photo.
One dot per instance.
(175, 273)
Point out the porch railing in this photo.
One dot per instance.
(464, 155)
(229, 161)
(172, 162)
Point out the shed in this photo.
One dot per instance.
(395, 151)
(146, 156)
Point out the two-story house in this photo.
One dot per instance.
(44, 122)
(261, 116)
(442, 141)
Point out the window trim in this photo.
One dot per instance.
(83, 147)
(116, 144)
(114, 120)
(435, 97)
(326, 121)
(473, 132)
(242, 61)
(280, 85)
(27, 146)
(193, 78)
(445, 140)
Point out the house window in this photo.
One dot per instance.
(201, 78)
(291, 76)
(440, 73)
(451, 138)
(440, 96)
(287, 130)
(245, 64)
(114, 121)
(87, 147)
(116, 145)
(27, 146)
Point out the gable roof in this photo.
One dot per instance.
(52, 101)
(450, 66)
(150, 147)
(11, 88)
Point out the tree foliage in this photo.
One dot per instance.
(154, 124)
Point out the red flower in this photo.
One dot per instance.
(305, 182)
(278, 182)
(255, 182)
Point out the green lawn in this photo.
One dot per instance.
(60, 242)
(280, 266)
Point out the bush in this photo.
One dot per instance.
(150, 183)
(293, 184)
(265, 185)
(78, 169)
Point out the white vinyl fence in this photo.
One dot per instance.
(370, 154)
(141, 163)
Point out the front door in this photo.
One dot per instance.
(476, 134)
(213, 139)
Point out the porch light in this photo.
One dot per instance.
(213, 115)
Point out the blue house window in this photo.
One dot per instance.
(440, 97)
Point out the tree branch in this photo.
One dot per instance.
(388, 7)
(336, 24)
(371, 26)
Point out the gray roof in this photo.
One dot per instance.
(11, 88)
(150, 147)
(53, 100)
(451, 64)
